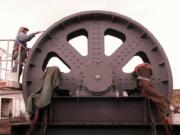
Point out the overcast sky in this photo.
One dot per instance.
(160, 17)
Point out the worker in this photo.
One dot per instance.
(22, 38)
(145, 85)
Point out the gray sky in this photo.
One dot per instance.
(160, 17)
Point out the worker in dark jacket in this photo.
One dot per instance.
(144, 73)
(21, 38)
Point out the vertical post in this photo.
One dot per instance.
(19, 61)
(7, 61)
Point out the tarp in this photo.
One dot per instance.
(144, 73)
(42, 97)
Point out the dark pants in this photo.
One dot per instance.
(23, 57)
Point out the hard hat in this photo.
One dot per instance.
(25, 28)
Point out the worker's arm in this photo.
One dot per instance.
(24, 38)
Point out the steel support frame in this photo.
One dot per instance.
(98, 110)
(133, 129)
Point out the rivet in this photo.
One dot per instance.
(97, 77)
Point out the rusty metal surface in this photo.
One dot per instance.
(137, 41)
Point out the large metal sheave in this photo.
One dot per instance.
(96, 73)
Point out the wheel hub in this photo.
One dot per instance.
(97, 77)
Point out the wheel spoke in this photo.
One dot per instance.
(69, 80)
(123, 54)
(125, 81)
(96, 40)
(68, 54)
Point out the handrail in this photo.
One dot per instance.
(14, 41)
(6, 52)
(2, 50)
